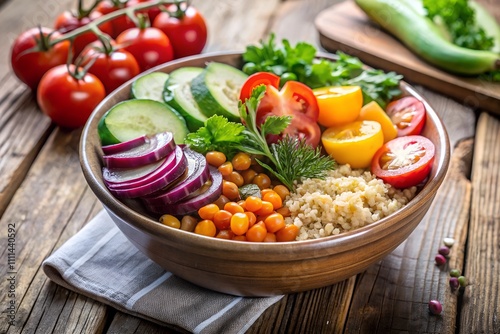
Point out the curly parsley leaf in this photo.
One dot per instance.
(460, 21)
(218, 134)
(300, 60)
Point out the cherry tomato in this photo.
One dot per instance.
(29, 67)
(68, 21)
(354, 143)
(66, 100)
(294, 99)
(149, 46)
(338, 104)
(257, 79)
(186, 29)
(408, 114)
(119, 24)
(152, 12)
(373, 112)
(404, 161)
(113, 68)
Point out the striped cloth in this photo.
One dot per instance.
(99, 262)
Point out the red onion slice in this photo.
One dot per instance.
(155, 148)
(124, 146)
(193, 204)
(198, 174)
(126, 175)
(161, 179)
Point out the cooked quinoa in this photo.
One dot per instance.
(345, 200)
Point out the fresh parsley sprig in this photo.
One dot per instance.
(300, 60)
(460, 21)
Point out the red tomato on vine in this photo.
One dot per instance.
(68, 21)
(32, 56)
(186, 29)
(149, 46)
(110, 65)
(119, 24)
(68, 95)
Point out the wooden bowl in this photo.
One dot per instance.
(259, 269)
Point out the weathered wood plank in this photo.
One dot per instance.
(392, 295)
(23, 128)
(234, 24)
(51, 204)
(481, 299)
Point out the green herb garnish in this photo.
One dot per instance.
(290, 159)
(300, 61)
(459, 20)
(218, 134)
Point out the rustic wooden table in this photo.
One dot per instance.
(44, 195)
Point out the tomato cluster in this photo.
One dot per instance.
(362, 135)
(256, 217)
(71, 78)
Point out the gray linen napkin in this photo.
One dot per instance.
(99, 262)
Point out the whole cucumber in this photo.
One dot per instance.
(422, 36)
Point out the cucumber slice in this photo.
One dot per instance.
(217, 90)
(133, 118)
(149, 86)
(177, 93)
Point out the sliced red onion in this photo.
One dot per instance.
(161, 178)
(193, 204)
(124, 146)
(198, 174)
(155, 148)
(127, 175)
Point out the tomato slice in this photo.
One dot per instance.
(408, 114)
(404, 161)
(294, 99)
(355, 143)
(257, 79)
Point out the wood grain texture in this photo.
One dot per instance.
(345, 27)
(52, 203)
(481, 300)
(43, 192)
(392, 296)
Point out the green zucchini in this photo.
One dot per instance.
(217, 90)
(177, 93)
(149, 86)
(130, 119)
(425, 39)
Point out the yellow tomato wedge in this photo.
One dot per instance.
(373, 112)
(338, 104)
(355, 143)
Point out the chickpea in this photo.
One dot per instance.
(241, 161)
(236, 178)
(230, 190)
(215, 158)
(188, 223)
(226, 168)
(262, 181)
(248, 175)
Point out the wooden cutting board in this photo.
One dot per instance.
(345, 27)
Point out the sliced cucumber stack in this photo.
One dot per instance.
(149, 86)
(133, 118)
(217, 90)
(177, 93)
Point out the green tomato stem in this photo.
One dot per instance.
(92, 26)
